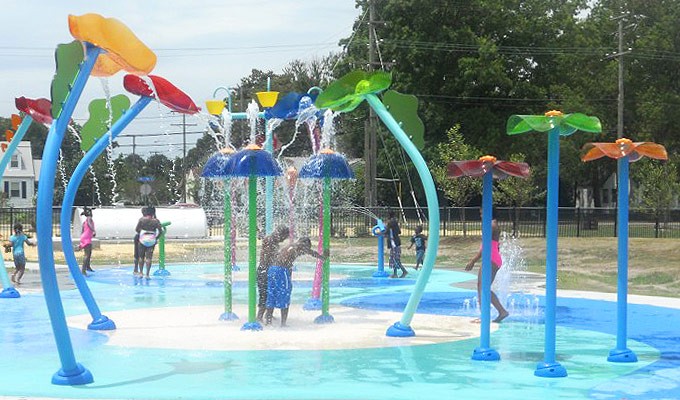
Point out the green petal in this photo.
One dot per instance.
(351, 87)
(349, 106)
(339, 91)
(525, 123)
(583, 122)
(404, 109)
(68, 58)
(101, 118)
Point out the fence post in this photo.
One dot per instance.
(578, 221)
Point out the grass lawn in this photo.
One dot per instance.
(583, 263)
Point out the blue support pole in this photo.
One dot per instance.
(484, 352)
(403, 328)
(550, 368)
(621, 353)
(99, 321)
(8, 291)
(71, 372)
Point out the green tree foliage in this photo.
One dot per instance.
(657, 185)
(458, 191)
(517, 192)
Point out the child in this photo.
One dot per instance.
(419, 240)
(149, 230)
(394, 244)
(279, 282)
(270, 248)
(17, 241)
(85, 243)
(496, 263)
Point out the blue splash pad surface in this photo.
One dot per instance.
(585, 334)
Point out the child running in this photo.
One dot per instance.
(496, 263)
(419, 240)
(279, 283)
(17, 242)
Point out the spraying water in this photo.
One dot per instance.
(109, 149)
(252, 112)
(95, 182)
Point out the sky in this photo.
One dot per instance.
(200, 46)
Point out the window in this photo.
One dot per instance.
(17, 162)
(14, 189)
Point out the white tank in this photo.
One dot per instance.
(120, 223)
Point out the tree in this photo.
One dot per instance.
(461, 190)
(657, 186)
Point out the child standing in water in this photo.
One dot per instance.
(149, 229)
(279, 282)
(419, 240)
(85, 243)
(17, 242)
(496, 263)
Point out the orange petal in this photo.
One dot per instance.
(121, 45)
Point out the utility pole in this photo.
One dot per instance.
(184, 155)
(370, 136)
(619, 123)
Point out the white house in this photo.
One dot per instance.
(21, 175)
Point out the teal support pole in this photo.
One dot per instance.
(8, 291)
(268, 180)
(99, 321)
(484, 352)
(621, 353)
(71, 372)
(550, 368)
(403, 328)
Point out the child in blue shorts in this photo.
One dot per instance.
(279, 278)
(17, 241)
(419, 240)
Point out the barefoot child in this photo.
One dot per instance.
(279, 283)
(496, 263)
(16, 242)
(419, 240)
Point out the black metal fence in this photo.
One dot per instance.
(454, 221)
(27, 218)
(466, 221)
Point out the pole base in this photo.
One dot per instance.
(550, 370)
(312, 304)
(399, 330)
(81, 376)
(324, 319)
(381, 274)
(485, 354)
(103, 323)
(622, 356)
(228, 316)
(161, 272)
(251, 326)
(9, 293)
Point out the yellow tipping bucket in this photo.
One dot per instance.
(267, 99)
(215, 107)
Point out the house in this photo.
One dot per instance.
(21, 176)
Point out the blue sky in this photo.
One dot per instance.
(200, 46)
